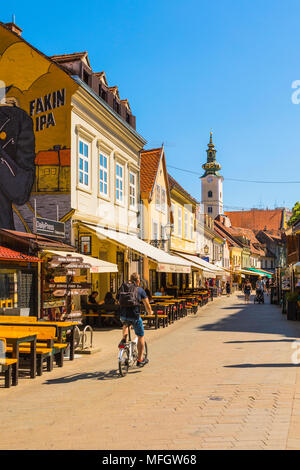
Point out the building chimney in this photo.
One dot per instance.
(14, 28)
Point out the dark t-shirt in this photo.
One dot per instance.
(247, 289)
(132, 312)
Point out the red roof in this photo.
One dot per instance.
(11, 255)
(149, 167)
(257, 219)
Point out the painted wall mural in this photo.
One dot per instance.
(35, 135)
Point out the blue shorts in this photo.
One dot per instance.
(137, 324)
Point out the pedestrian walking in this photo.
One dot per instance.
(247, 291)
(228, 288)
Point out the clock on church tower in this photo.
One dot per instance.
(212, 183)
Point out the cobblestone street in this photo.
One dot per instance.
(222, 379)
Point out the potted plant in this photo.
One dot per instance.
(292, 298)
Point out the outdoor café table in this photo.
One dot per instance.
(61, 326)
(162, 297)
(170, 304)
(16, 338)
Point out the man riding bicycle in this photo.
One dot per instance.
(130, 296)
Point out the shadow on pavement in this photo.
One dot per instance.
(111, 375)
(248, 366)
(253, 318)
(262, 341)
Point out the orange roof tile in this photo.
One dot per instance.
(256, 219)
(255, 244)
(149, 167)
(8, 254)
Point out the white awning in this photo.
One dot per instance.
(207, 267)
(97, 265)
(166, 262)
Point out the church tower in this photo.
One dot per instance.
(212, 183)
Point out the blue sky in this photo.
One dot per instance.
(191, 67)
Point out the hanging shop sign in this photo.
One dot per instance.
(47, 227)
(71, 285)
(172, 268)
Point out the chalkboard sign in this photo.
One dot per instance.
(27, 290)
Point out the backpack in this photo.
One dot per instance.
(128, 296)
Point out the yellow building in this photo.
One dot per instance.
(183, 210)
(183, 235)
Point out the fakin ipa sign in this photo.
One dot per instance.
(50, 228)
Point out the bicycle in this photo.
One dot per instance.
(128, 354)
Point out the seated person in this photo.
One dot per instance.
(92, 302)
(92, 297)
(161, 292)
(109, 299)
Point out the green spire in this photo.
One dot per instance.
(211, 167)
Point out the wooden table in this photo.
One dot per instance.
(162, 297)
(61, 327)
(14, 339)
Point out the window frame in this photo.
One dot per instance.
(191, 226)
(179, 218)
(163, 199)
(158, 197)
(119, 180)
(134, 187)
(85, 159)
(186, 224)
(105, 171)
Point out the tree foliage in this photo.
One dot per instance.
(295, 214)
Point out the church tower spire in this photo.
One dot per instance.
(212, 183)
(211, 167)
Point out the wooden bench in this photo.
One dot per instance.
(46, 348)
(7, 364)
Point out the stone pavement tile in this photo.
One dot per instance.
(217, 446)
(202, 419)
(231, 420)
(293, 443)
(248, 445)
(275, 445)
(222, 430)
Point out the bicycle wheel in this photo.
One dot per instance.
(123, 362)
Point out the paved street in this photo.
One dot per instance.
(223, 379)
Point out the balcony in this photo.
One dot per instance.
(161, 244)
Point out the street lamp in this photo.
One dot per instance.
(206, 250)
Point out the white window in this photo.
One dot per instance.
(83, 164)
(103, 174)
(155, 231)
(185, 225)
(179, 221)
(157, 198)
(163, 200)
(192, 226)
(119, 183)
(132, 189)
